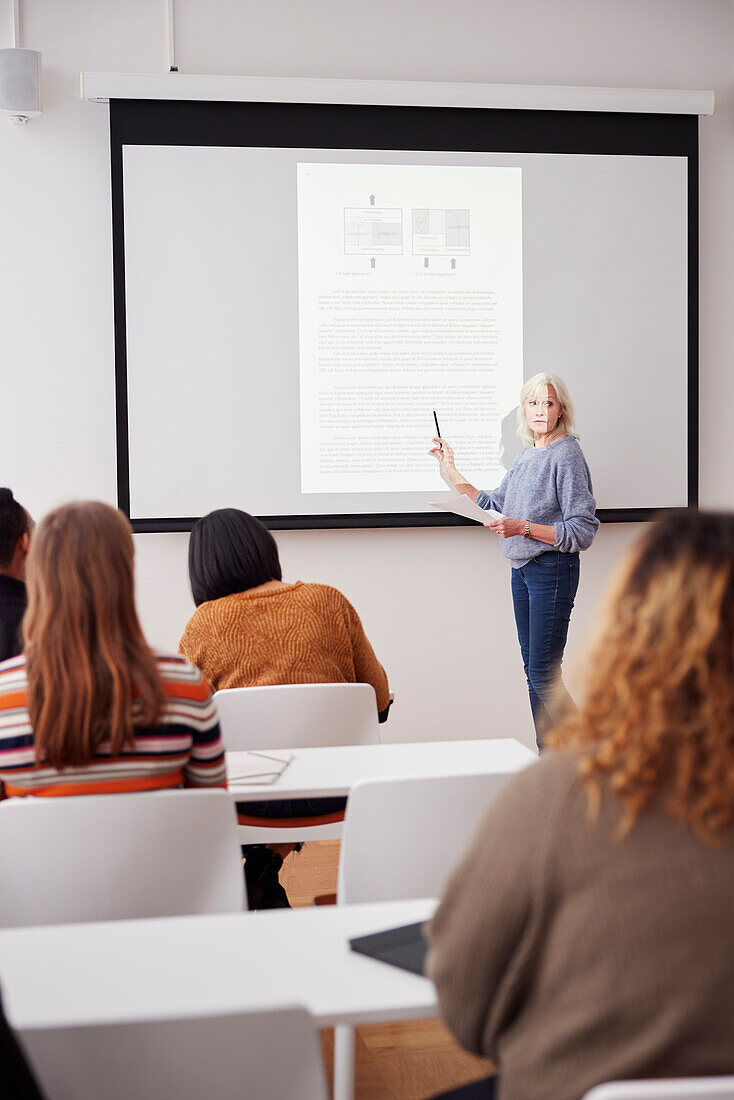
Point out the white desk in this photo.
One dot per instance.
(332, 772)
(174, 967)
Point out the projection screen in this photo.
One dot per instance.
(298, 287)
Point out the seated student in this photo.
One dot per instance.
(587, 935)
(251, 628)
(15, 533)
(89, 708)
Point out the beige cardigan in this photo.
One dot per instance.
(571, 958)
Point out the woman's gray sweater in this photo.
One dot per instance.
(549, 485)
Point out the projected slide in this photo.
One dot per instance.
(390, 328)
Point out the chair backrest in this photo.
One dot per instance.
(117, 856)
(402, 837)
(673, 1088)
(271, 1055)
(298, 716)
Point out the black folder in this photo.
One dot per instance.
(405, 947)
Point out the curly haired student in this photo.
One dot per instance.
(587, 935)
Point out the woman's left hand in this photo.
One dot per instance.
(507, 527)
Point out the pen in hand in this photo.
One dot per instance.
(438, 430)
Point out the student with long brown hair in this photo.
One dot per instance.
(588, 933)
(89, 708)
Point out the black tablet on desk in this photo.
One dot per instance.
(405, 947)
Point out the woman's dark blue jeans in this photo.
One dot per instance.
(543, 592)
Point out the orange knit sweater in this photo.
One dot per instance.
(297, 634)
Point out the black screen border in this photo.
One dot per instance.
(344, 126)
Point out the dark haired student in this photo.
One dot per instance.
(251, 628)
(15, 534)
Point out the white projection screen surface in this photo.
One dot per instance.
(288, 317)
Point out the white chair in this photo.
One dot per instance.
(680, 1088)
(402, 838)
(118, 856)
(296, 716)
(271, 1055)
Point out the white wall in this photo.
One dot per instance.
(435, 602)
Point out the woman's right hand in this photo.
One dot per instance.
(445, 455)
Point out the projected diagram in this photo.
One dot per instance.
(373, 231)
(440, 232)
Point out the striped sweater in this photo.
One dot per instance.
(185, 747)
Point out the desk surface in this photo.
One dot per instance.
(333, 771)
(174, 967)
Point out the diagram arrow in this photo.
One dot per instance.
(372, 200)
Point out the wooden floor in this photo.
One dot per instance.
(407, 1061)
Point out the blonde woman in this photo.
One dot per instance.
(549, 516)
(587, 936)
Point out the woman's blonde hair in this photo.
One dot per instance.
(91, 676)
(532, 388)
(658, 716)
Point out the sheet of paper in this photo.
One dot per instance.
(462, 505)
(410, 300)
(262, 768)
